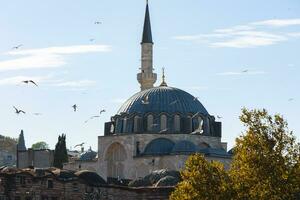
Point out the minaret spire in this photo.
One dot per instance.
(146, 77)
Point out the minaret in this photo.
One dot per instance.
(146, 77)
(21, 142)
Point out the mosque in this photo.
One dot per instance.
(156, 128)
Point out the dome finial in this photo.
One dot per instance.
(163, 83)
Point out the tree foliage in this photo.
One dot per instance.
(265, 165)
(40, 145)
(60, 152)
(9, 144)
(202, 180)
(266, 160)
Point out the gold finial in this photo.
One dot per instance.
(163, 83)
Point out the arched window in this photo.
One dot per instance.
(163, 122)
(115, 157)
(119, 126)
(149, 122)
(177, 123)
(124, 125)
(136, 126)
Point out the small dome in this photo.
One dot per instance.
(88, 155)
(184, 146)
(159, 146)
(162, 99)
(91, 178)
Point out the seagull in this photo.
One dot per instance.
(74, 107)
(163, 131)
(18, 46)
(291, 99)
(79, 145)
(174, 102)
(245, 71)
(98, 22)
(219, 117)
(18, 111)
(92, 40)
(37, 114)
(195, 115)
(93, 117)
(145, 101)
(29, 81)
(102, 111)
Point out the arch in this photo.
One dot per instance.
(163, 122)
(159, 146)
(184, 146)
(136, 124)
(115, 157)
(177, 123)
(150, 120)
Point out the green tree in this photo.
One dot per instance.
(202, 179)
(266, 161)
(40, 145)
(60, 152)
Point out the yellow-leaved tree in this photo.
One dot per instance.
(266, 160)
(265, 165)
(202, 180)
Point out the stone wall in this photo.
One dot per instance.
(135, 166)
(36, 158)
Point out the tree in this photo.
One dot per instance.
(202, 180)
(60, 152)
(40, 145)
(266, 161)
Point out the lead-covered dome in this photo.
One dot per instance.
(162, 99)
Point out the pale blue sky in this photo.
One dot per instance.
(204, 46)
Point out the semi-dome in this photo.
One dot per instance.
(162, 99)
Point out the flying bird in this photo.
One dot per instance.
(174, 102)
(195, 115)
(74, 107)
(219, 117)
(37, 114)
(92, 40)
(145, 101)
(245, 71)
(18, 46)
(93, 117)
(163, 131)
(98, 22)
(102, 111)
(291, 99)
(30, 81)
(18, 111)
(79, 145)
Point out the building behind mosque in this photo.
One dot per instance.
(156, 128)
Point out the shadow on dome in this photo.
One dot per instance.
(159, 146)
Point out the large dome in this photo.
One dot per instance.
(162, 99)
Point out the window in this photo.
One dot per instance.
(124, 125)
(136, 127)
(50, 184)
(75, 187)
(149, 122)
(163, 122)
(22, 180)
(177, 123)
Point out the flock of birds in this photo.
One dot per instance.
(75, 107)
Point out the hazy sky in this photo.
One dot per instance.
(204, 46)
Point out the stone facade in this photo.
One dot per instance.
(129, 164)
(54, 184)
(7, 158)
(36, 158)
